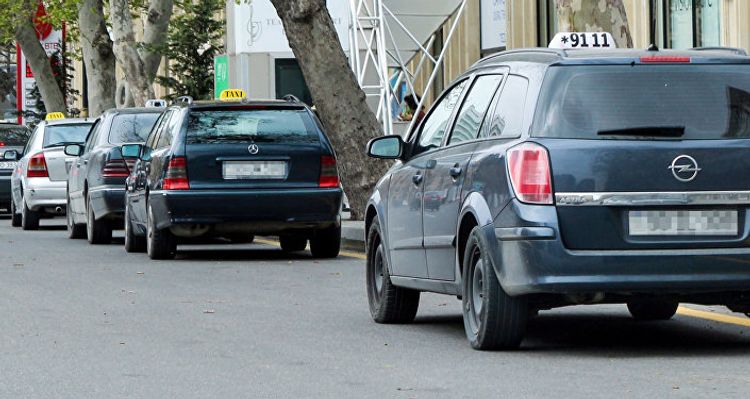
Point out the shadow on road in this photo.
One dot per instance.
(227, 253)
(608, 335)
(53, 227)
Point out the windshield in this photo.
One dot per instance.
(57, 135)
(13, 135)
(251, 125)
(689, 102)
(131, 128)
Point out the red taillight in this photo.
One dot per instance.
(329, 173)
(37, 166)
(115, 168)
(529, 170)
(2, 144)
(177, 178)
(664, 59)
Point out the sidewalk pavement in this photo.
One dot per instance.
(353, 234)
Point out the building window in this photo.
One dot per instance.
(691, 23)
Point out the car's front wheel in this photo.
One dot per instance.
(326, 243)
(492, 318)
(15, 217)
(75, 230)
(652, 309)
(160, 243)
(388, 303)
(29, 218)
(97, 231)
(133, 242)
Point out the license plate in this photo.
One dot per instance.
(234, 170)
(7, 165)
(683, 223)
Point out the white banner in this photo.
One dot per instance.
(494, 26)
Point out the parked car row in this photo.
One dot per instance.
(229, 169)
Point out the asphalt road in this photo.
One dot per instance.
(80, 321)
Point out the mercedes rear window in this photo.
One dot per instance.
(684, 102)
(251, 125)
(132, 128)
(60, 135)
(12, 135)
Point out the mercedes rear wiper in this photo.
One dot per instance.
(655, 131)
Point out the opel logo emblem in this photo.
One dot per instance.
(253, 149)
(685, 168)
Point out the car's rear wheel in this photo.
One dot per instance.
(97, 231)
(652, 309)
(160, 243)
(15, 217)
(388, 303)
(292, 243)
(29, 218)
(326, 243)
(133, 242)
(75, 230)
(492, 318)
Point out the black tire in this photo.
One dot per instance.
(492, 319)
(160, 244)
(292, 243)
(98, 232)
(652, 309)
(75, 230)
(326, 243)
(15, 217)
(241, 238)
(29, 218)
(388, 303)
(133, 242)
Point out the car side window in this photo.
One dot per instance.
(436, 123)
(507, 118)
(474, 108)
(153, 137)
(93, 136)
(33, 137)
(165, 128)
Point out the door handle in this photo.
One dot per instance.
(417, 179)
(85, 161)
(456, 171)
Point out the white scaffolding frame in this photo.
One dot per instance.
(374, 52)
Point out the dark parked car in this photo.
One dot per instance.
(96, 182)
(573, 177)
(235, 169)
(13, 138)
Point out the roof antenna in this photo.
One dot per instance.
(654, 14)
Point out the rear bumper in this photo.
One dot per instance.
(533, 259)
(258, 211)
(108, 201)
(41, 192)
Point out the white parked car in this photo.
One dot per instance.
(38, 184)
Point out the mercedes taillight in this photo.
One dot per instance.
(176, 177)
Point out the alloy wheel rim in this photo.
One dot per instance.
(378, 270)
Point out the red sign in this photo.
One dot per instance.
(43, 29)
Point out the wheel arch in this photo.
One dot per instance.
(475, 212)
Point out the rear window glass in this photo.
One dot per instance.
(14, 135)
(131, 128)
(58, 135)
(689, 102)
(251, 125)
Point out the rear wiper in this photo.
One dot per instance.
(656, 131)
(61, 144)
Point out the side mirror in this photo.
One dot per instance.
(73, 150)
(11, 155)
(386, 147)
(131, 150)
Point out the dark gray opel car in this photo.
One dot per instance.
(569, 177)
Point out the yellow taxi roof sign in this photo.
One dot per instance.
(232, 95)
(54, 116)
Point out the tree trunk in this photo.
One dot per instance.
(155, 30)
(52, 95)
(600, 15)
(340, 101)
(98, 56)
(126, 52)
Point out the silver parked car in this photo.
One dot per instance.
(38, 184)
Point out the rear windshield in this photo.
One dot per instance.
(251, 125)
(131, 128)
(13, 135)
(59, 135)
(689, 102)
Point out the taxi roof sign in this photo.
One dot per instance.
(584, 40)
(232, 94)
(54, 116)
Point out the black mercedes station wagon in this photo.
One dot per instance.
(564, 177)
(234, 169)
